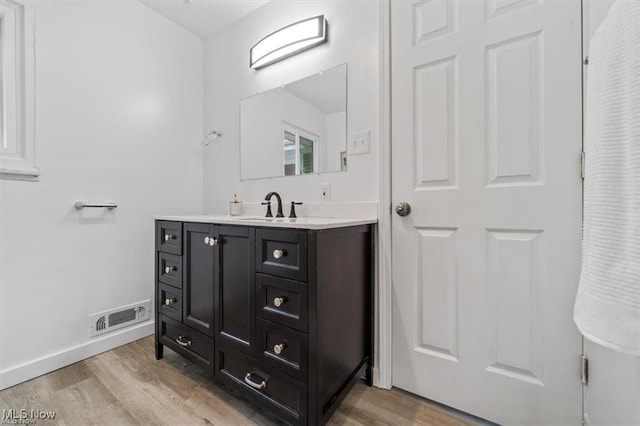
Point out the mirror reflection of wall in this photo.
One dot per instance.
(296, 129)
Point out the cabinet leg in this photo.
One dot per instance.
(369, 375)
(159, 347)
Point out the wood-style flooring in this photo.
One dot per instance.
(127, 386)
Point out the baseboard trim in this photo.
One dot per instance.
(377, 380)
(95, 346)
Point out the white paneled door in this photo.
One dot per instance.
(486, 142)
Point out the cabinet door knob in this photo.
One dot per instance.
(168, 237)
(279, 301)
(181, 341)
(278, 253)
(170, 269)
(253, 384)
(213, 241)
(169, 301)
(277, 349)
(206, 240)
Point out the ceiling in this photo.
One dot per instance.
(204, 18)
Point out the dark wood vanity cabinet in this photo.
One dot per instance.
(198, 277)
(184, 311)
(282, 316)
(235, 288)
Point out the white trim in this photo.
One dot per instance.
(384, 326)
(23, 166)
(52, 362)
(30, 174)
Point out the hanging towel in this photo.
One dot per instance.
(607, 309)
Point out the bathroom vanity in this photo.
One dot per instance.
(279, 310)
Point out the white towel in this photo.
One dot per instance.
(607, 309)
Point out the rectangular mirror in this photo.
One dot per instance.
(296, 129)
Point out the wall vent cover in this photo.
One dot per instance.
(113, 319)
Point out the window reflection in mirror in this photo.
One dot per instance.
(299, 151)
(296, 129)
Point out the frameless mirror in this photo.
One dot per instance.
(296, 129)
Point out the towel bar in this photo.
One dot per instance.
(81, 205)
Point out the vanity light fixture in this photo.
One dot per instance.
(288, 41)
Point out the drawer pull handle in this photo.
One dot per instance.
(170, 269)
(168, 237)
(181, 342)
(170, 301)
(253, 384)
(279, 348)
(279, 301)
(278, 253)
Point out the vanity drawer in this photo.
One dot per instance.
(283, 349)
(288, 396)
(282, 253)
(170, 269)
(170, 301)
(187, 342)
(169, 237)
(282, 301)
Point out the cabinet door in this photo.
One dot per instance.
(236, 287)
(198, 279)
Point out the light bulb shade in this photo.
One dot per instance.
(288, 41)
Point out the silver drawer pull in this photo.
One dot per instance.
(277, 349)
(278, 253)
(168, 237)
(279, 301)
(169, 301)
(170, 269)
(253, 384)
(181, 342)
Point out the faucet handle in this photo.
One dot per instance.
(268, 204)
(292, 214)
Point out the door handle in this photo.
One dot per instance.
(403, 208)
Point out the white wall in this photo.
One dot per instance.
(118, 118)
(353, 39)
(613, 392)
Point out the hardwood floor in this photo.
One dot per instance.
(127, 386)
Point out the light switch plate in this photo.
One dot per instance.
(359, 142)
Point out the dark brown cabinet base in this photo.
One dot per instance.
(282, 316)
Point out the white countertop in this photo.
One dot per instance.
(281, 222)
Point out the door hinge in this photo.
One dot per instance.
(582, 161)
(584, 369)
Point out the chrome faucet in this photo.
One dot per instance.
(268, 198)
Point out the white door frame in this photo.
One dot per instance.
(383, 360)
